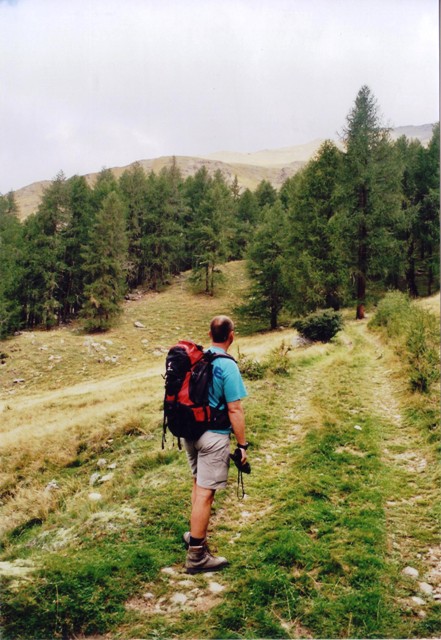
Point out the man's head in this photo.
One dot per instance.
(222, 330)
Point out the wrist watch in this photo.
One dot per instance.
(243, 446)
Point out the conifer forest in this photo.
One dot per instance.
(346, 228)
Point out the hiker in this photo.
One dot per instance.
(209, 456)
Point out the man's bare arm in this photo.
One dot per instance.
(237, 419)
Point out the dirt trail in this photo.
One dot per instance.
(55, 411)
(83, 388)
(382, 397)
(382, 394)
(45, 412)
(408, 458)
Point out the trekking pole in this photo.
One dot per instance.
(236, 457)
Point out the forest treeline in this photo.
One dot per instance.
(347, 227)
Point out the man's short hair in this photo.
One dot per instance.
(220, 328)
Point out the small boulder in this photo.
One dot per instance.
(106, 478)
(179, 598)
(411, 572)
(425, 588)
(52, 486)
(215, 587)
(94, 478)
(95, 497)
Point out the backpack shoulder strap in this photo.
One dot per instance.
(210, 356)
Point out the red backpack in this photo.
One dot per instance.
(188, 374)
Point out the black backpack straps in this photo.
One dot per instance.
(220, 355)
(212, 355)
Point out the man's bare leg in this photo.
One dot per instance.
(198, 557)
(202, 499)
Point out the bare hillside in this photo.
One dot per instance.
(248, 175)
(274, 165)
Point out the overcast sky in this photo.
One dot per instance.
(92, 83)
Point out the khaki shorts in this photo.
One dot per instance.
(209, 459)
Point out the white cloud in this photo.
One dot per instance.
(87, 84)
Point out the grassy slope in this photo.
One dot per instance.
(332, 514)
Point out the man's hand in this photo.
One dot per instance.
(243, 452)
(240, 462)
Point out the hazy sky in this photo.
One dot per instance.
(92, 83)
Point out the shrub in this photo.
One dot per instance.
(393, 313)
(415, 333)
(249, 368)
(320, 326)
(278, 361)
(422, 344)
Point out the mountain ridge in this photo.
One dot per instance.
(274, 165)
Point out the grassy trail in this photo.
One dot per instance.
(342, 497)
(330, 518)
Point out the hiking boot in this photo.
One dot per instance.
(200, 559)
(186, 539)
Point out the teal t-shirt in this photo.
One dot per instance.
(227, 384)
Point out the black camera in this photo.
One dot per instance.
(237, 459)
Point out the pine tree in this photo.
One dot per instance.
(74, 238)
(210, 233)
(265, 194)
(105, 183)
(288, 190)
(105, 265)
(316, 268)
(409, 154)
(194, 191)
(267, 267)
(429, 211)
(370, 199)
(246, 217)
(11, 251)
(133, 187)
(162, 228)
(40, 295)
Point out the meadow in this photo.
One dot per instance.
(341, 503)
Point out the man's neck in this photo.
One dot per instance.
(221, 345)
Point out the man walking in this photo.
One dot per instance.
(209, 457)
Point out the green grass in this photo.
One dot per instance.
(317, 547)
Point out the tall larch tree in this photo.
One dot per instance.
(370, 199)
(267, 267)
(247, 216)
(43, 260)
(429, 211)
(316, 266)
(105, 265)
(133, 187)
(162, 230)
(210, 233)
(75, 237)
(11, 251)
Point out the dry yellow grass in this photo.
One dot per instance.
(431, 304)
(73, 383)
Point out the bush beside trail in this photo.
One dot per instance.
(321, 326)
(414, 332)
